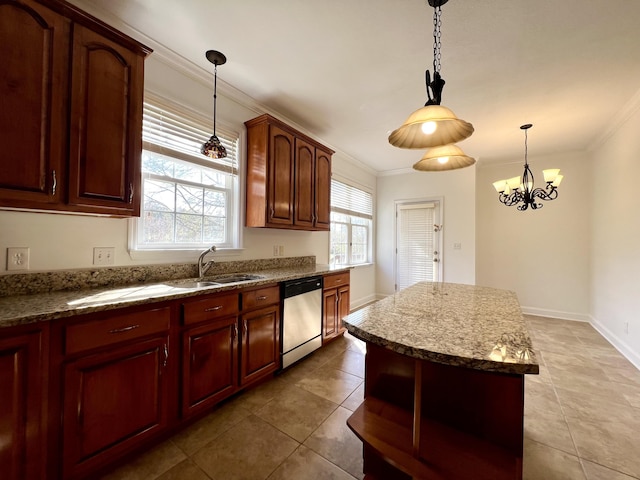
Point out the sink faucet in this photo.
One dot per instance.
(203, 267)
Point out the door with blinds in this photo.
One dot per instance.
(418, 256)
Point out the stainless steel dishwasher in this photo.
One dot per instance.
(301, 319)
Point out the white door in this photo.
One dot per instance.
(418, 256)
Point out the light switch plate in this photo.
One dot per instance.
(103, 255)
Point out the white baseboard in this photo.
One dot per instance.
(361, 302)
(543, 312)
(617, 342)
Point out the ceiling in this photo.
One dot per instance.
(351, 71)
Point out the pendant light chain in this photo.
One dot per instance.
(526, 149)
(215, 96)
(437, 43)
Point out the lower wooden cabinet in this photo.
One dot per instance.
(113, 401)
(209, 364)
(22, 381)
(112, 386)
(260, 343)
(336, 305)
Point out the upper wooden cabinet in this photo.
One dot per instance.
(288, 177)
(71, 116)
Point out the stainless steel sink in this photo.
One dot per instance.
(237, 278)
(201, 284)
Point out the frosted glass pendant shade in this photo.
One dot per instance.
(550, 174)
(446, 157)
(448, 129)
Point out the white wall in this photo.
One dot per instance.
(59, 242)
(457, 188)
(543, 254)
(615, 237)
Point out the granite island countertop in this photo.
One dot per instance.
(24, 309)
(453, 324)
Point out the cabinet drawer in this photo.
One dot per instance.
(336, 280)
(261, 297)
(115, 329)
(213, 307)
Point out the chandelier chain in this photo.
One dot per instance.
(437, 43)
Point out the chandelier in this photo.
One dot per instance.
(213, 148)
(434, 125)
(521, 192)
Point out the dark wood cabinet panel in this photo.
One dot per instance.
(106, 121)
(260, 348)
(33, 81)
(210, 365)
(284, 177)
(323, 190)
(113, 401)
(336, 304)
(22, 381)
(305, 163)
(71, 116)
(280, 189)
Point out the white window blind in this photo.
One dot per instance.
(416, 242)
(351, 200)
(176, 135)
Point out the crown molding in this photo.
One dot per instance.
(625, 113)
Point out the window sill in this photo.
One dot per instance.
(178, 256)
(357, 265)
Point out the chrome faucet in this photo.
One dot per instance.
(203, 267)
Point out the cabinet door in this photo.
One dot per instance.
(21, 373)
(210, 364)
(305, 209)
(112, 402)
(33, 84)
(106, 121)
(330, 314)
(260, 343)
(323, 191)
(343, 306)
(280, 179)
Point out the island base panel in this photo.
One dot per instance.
(427, 420)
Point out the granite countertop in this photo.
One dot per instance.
(24, 309)
(460, 325)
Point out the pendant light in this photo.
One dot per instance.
(212, 147)
(520, 191)
(432, 125)
(446, 157)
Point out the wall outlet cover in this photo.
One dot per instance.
(18, 258)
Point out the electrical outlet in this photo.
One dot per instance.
(275, 250)
(281, 250)
(18, 258)
(103, 255)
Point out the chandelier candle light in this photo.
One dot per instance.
(435, 125)
(521, 192)
(213, 148)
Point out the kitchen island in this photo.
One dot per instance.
(444, 383)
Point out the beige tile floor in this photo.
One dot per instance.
(582, 418)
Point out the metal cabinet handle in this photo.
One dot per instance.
(131, 193)
(54, 182)
(124, 329)
(245, 328)
(271, 212)
(235, 331)
(213, 309)
(338, 280)
(261, 298)
(165, 351)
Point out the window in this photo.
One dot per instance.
(189, 201)
(351, 225)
